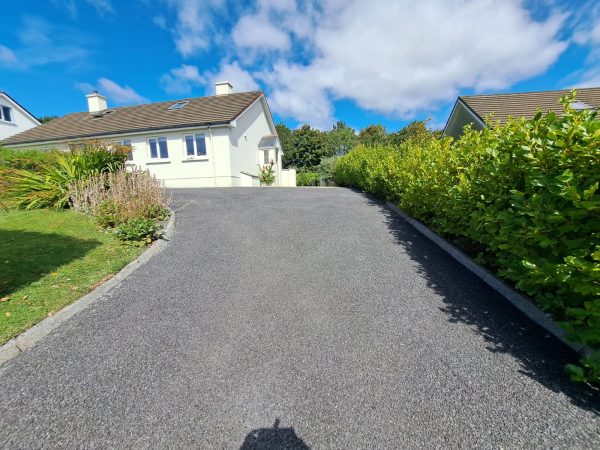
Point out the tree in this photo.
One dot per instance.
(341, 139)
(416, 132)
(45, 119)
(286, 139)
(309, 147)
(373, 135)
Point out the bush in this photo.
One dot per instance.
(308, 179)
(327, 169)
(22, 159)
(115, 198)
(267, 174)
(139, 231)
(49, 184)
(527, 193)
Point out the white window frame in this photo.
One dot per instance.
(158, 158)
(195, 155)
(11, 112)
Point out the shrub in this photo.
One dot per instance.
(115, 198)
(107, 214)
(49, 185)
(22, 159)
(267, 174)
(327, 169)
(307, 179)
(139, 231)
(527, 192)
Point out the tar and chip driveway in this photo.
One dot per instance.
(314, 307)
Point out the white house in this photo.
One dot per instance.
(13, 117)
(196, 142)
(475, 109)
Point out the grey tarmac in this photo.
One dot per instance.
(296, 318)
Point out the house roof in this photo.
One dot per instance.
(20, 106)
(199, 111)
(525, 104)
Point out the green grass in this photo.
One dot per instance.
(49, 259)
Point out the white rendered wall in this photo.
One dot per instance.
(252, 125)
(21, 122)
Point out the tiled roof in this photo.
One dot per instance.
(526, 104)
(153, 116)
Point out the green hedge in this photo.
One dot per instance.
(308, 179)
(526, 192)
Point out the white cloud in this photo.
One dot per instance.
(257, 33)
(181, 80)
(102, 7)
(194, 26)
(7, 55)
(160, 22)
(240, 79)
(41, 43)
(121, 95)
(589, 78)
(398, 57)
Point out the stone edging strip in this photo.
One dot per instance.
(524, 304)
(31, 336)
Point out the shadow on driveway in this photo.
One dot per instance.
(273, 438)
(504, 328)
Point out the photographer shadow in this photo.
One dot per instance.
(273, 438)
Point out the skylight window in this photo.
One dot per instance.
(178, 105)
(577, 105)
(101, 114)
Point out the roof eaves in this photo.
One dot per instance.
(471, 110)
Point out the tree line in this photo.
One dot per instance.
(304, 148)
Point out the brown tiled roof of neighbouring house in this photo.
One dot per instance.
(197, 111)
(526, 104)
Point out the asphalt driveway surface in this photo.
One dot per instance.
(295, 318)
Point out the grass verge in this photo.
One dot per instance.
(49, 259)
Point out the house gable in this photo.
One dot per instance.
(14, 118)
(461, 116)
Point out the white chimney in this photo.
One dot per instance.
(223, 87)
(96, 102)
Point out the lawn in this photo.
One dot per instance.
(49, 259)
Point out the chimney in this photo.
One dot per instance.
(96, 102)
(223, 87)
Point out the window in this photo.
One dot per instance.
(158, 148)
(6, 113)
(177, 106)
(195, 145)
(266, 157)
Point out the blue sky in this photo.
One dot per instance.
(382, 61)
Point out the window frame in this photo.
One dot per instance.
(158, 158)
(195, 144)
(10, 112)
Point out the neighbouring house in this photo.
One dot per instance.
(210, 141)
(13, 117)
(474, 109)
